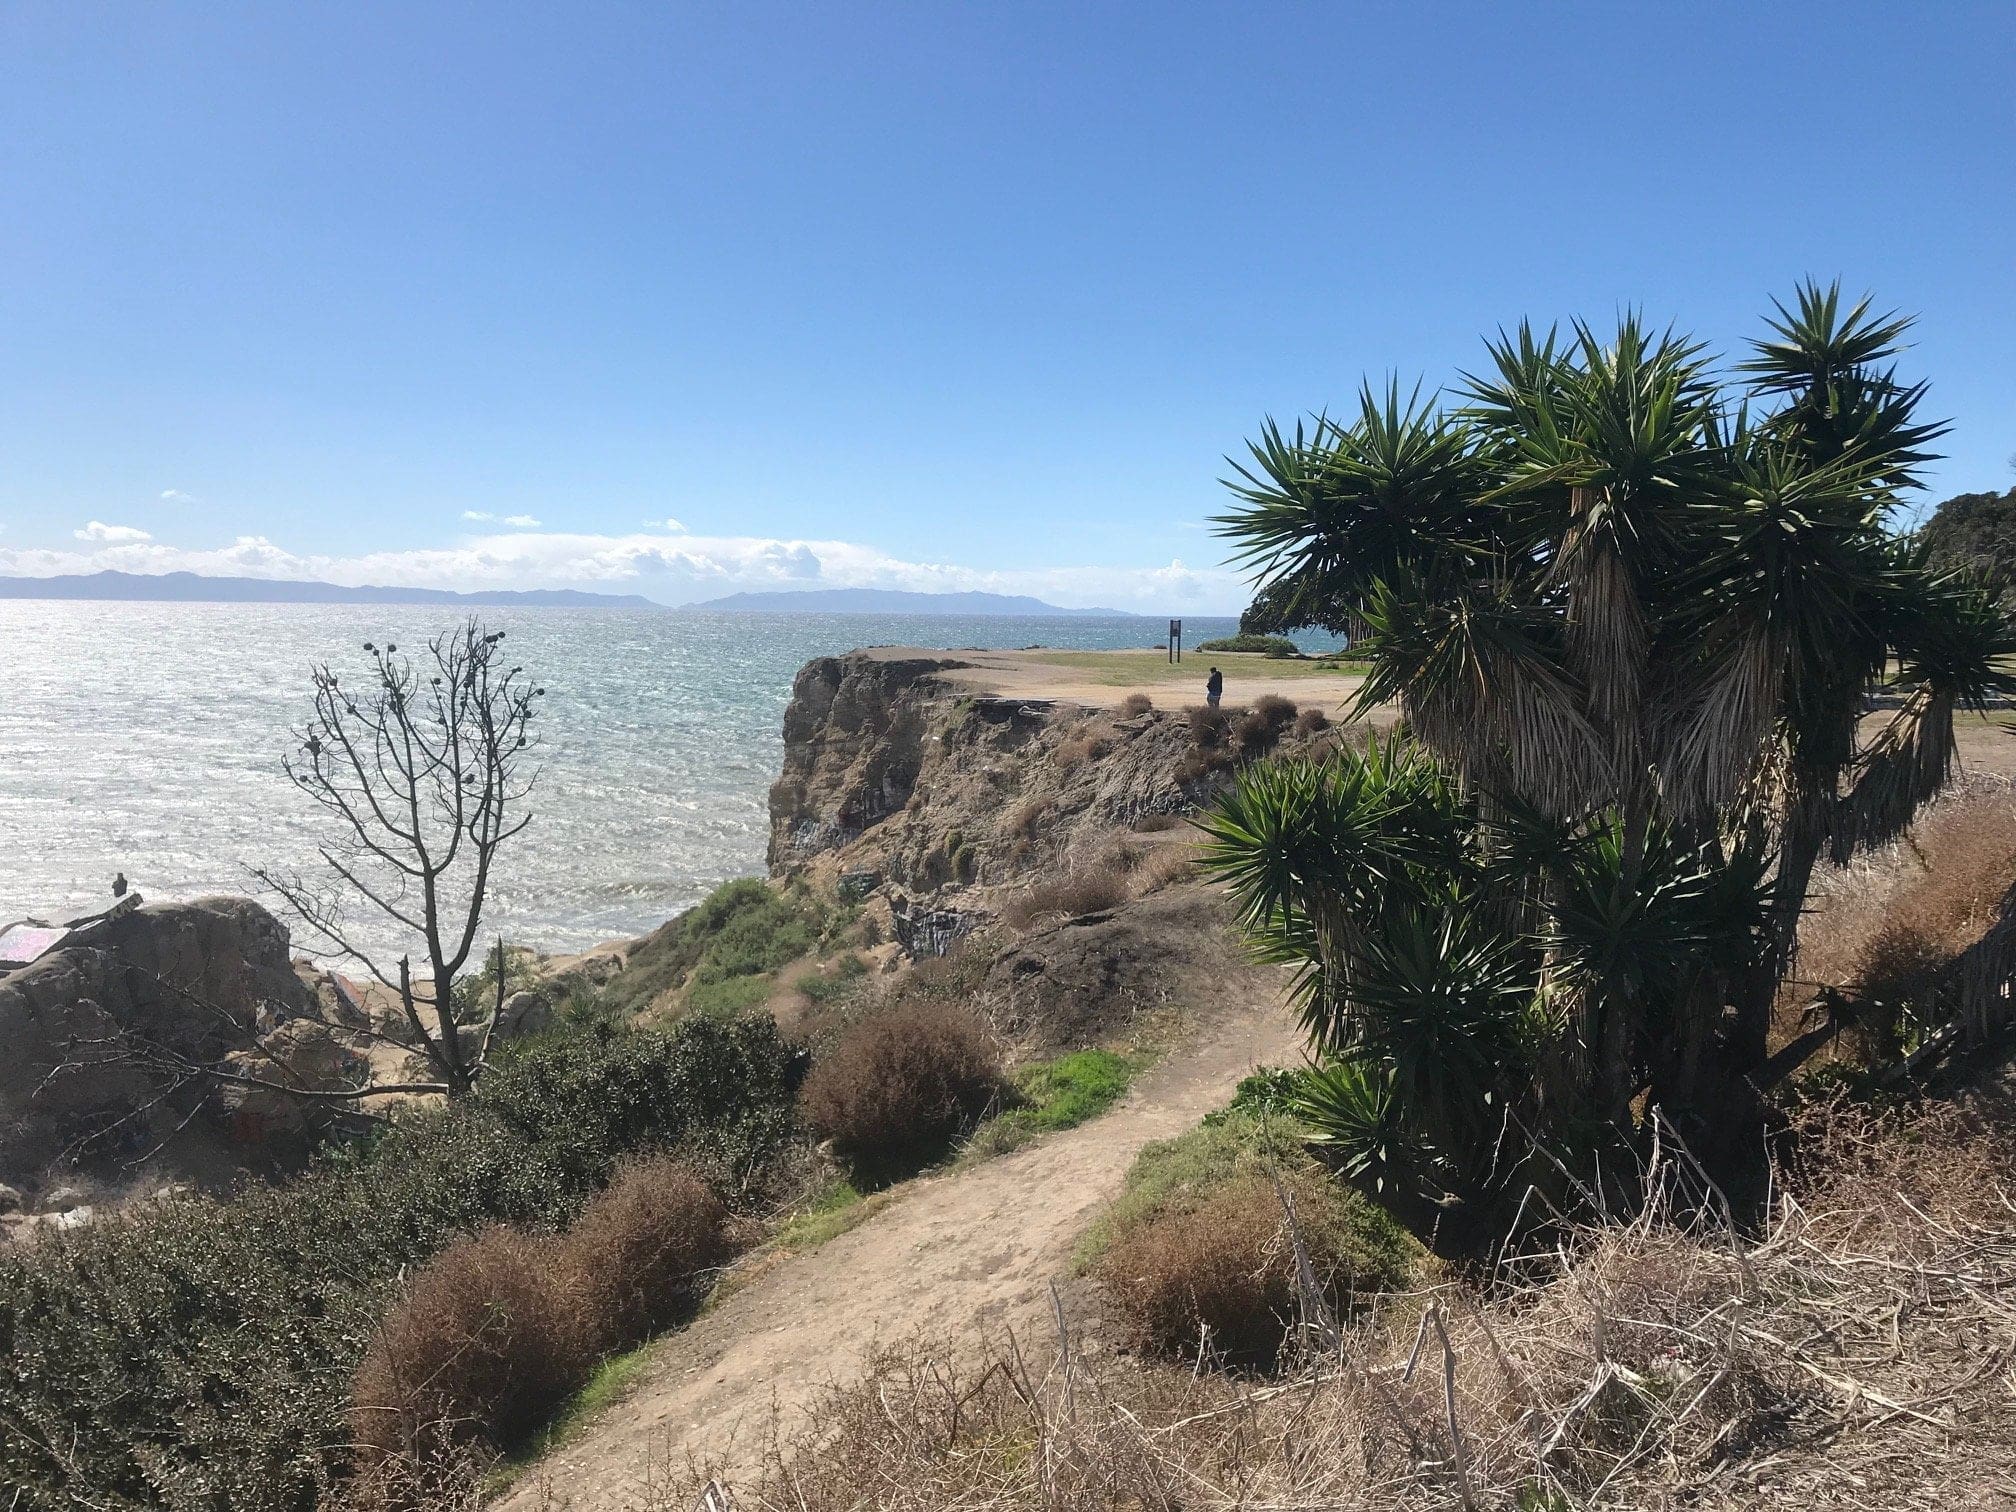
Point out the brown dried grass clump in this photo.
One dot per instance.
(1218, 1277)
(491, 1336)
(1167, 863)
(1087, 745)
(1071, 896)
(903, 1082)
(1263, 725)
(1311, 721)
(644, 1248)
(1135, 703)
(1155, 824)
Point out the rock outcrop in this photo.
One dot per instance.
(894, 780)
(90, 1028)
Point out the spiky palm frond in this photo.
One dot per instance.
(1350, 1106)
(1334, 506)
(1838, 402)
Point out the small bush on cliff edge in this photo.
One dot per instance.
(899, 1086)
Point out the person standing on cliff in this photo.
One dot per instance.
(1214, 687)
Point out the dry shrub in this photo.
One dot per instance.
(1219, 1277)
(492, 1335)
(643, 1248)
(1853, 1354)
(903, 1082)
(1087, 745)
(1208, 726)
(1884, 928)
(1263, 725)
(1027, 817)
(1163, 865)
(1311, 721)
(1070, 896)
(1155, 824)
(1136, 703)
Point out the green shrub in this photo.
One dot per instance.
(729, 997)
(743, 928)
(1260, 645)
(198, 1353)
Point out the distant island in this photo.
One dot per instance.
(897, 601)
(194, 588)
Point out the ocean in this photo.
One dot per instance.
(146, 738)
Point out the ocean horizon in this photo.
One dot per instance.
(146, 738)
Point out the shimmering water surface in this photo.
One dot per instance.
(147, 738)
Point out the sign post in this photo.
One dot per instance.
(1175, 640)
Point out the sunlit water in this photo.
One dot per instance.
(147, 738)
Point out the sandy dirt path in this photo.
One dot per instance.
(954, 1253)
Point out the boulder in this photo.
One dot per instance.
(174, 980)
(524, 1013)
(301, 1054)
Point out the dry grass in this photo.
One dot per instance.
(1882, 928)
(1857, 1354)
(1218, 1276)
(903, 1082)
(1311, 721)
(1071, 896)
(1135, 703)
(1165, 864)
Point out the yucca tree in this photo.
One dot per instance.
(1637, 606)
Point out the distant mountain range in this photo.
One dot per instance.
(192, 588)
(897, 601)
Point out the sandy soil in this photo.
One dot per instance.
(965, 1250)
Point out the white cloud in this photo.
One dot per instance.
(673, 568)
(176, 496)
(477, 514)
(521, 522)
(675, 526)
(112, 535)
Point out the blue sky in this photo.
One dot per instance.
(676, 300)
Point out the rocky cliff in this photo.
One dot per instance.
(899, 785)
(887, 769)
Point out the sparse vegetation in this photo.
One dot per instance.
(1833, 1358)
(1134, 704)
(1070, 896)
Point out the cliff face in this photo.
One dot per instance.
(889, 771)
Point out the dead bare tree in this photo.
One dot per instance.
(424, 771)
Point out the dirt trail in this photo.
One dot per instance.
(955, 1252)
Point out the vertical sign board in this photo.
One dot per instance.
(1175, 640)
